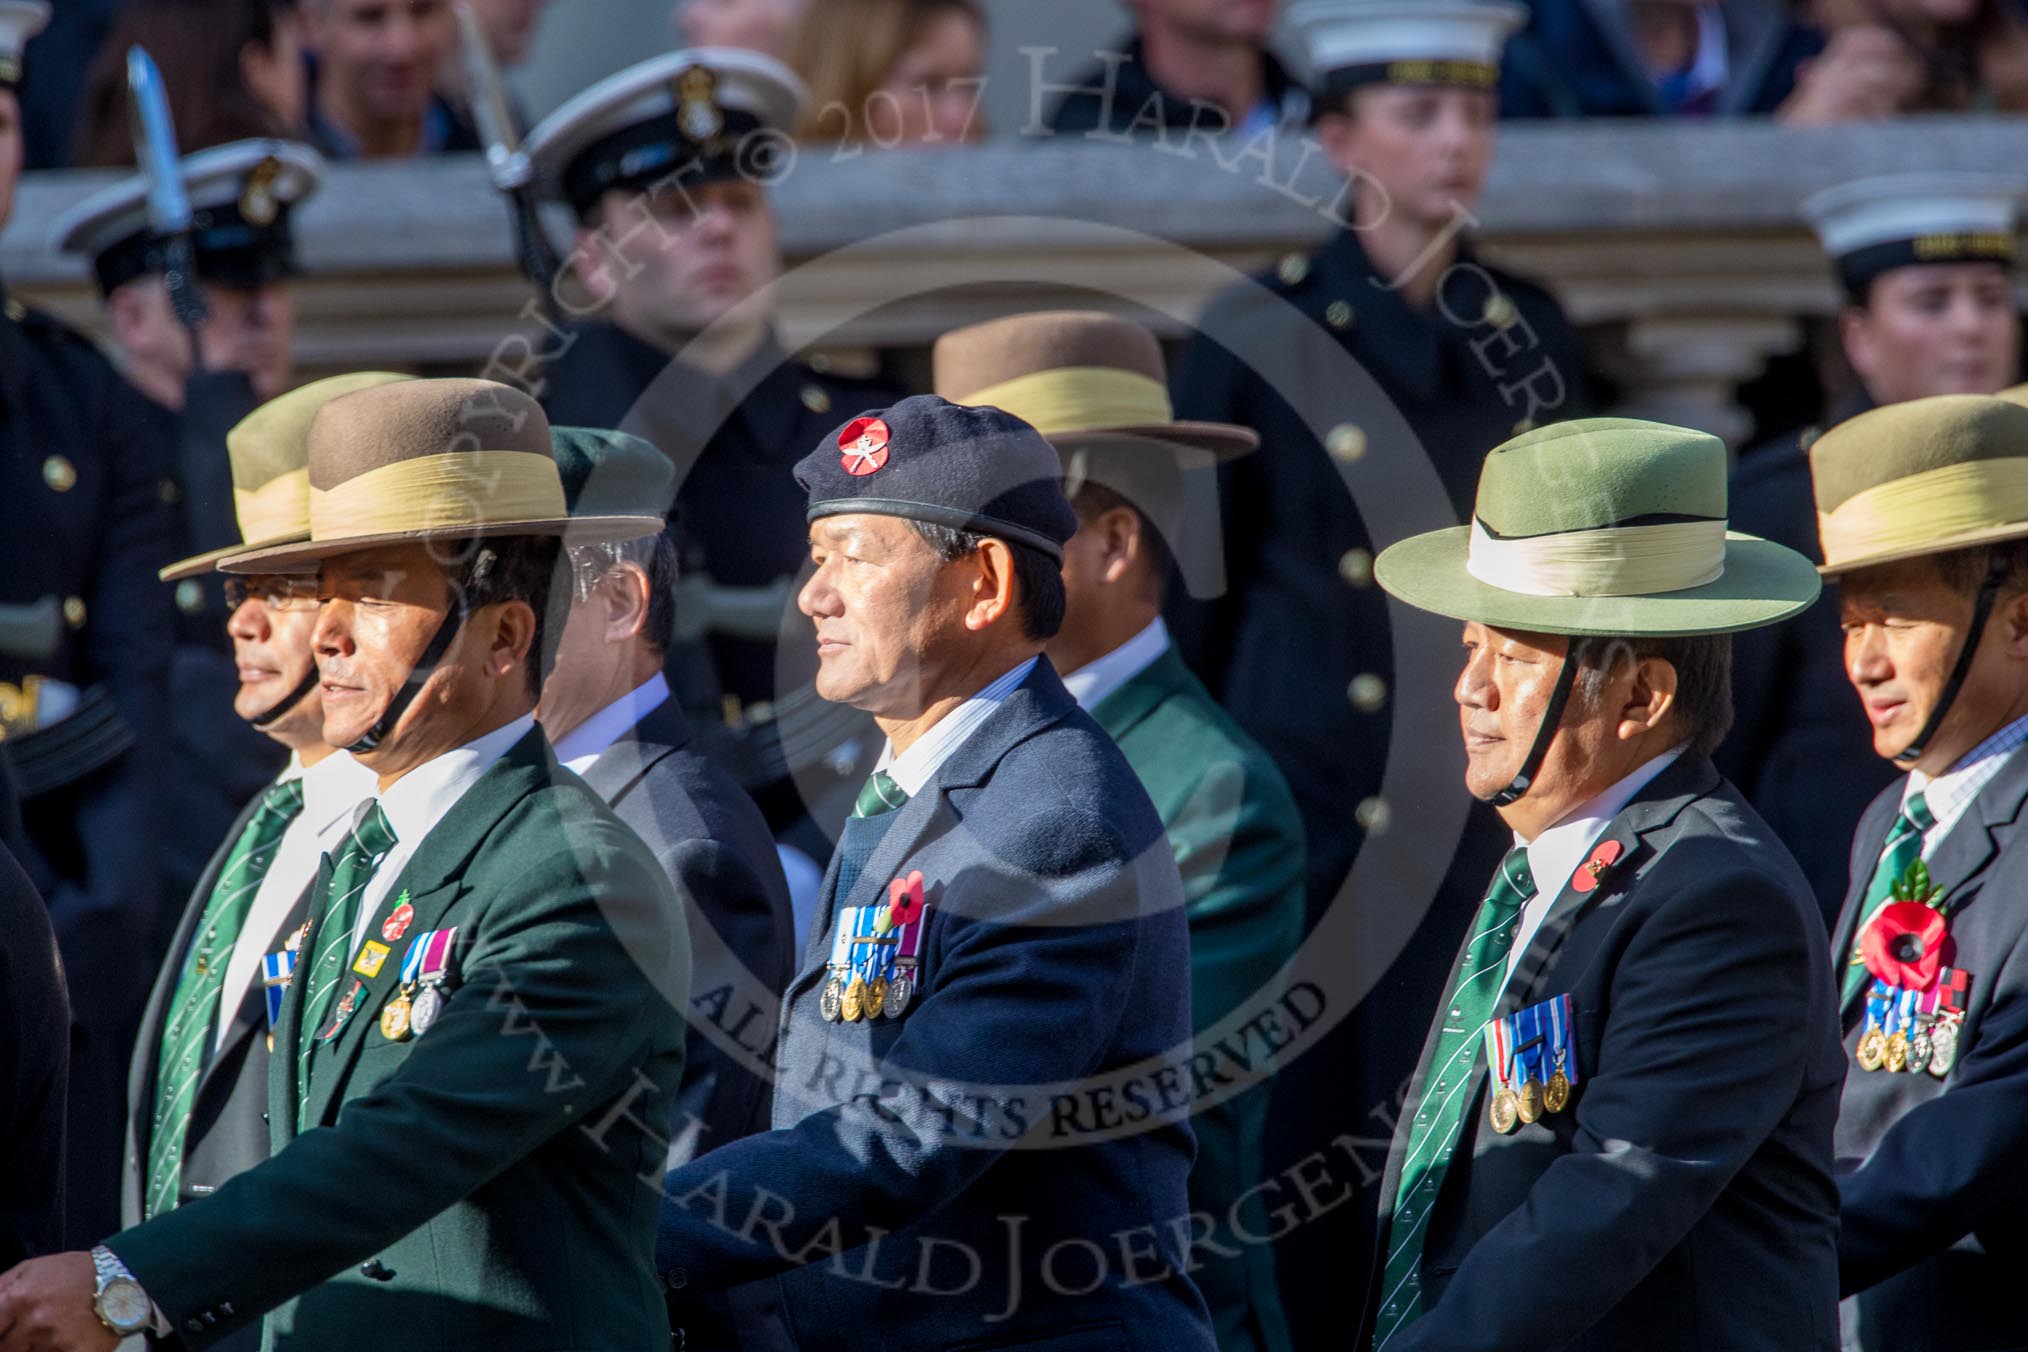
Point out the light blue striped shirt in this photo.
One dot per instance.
(1950, 793)
(914, 768)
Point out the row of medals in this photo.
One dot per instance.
(864, 999)
(1933, 1047)
(1512, 1107)
(412, 1012)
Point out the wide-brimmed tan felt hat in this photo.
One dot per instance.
(1079, 377)
(1602, 527)
(432, 460)
(270, 453)
(1922, 477)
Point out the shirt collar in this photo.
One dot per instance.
(332, 788)
(914, 768)
(589, 740)
(416, 802)
(1100, 677)
(1948, 795)
(1555, 854)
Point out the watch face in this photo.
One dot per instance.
(124, 1305)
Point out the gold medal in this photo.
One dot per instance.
(876, 997)
(1556, 1094)
(1505, 1112)
(855, 1001)
(1897, 1051)
(1529, 1103)
(394, 1019)
(1872, 1049)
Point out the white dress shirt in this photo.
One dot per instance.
(589, 740)
(914, 768)
(332, 788)
(416, 802)
(1101, 676)
(1950, 793)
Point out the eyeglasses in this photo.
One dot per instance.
(276, 593)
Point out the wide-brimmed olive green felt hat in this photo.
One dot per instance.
(1922, 477)
(1602, 527)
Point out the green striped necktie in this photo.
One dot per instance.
(194, 1008)
(361, 854)
(1448, 1079)
(880, 794)
(1903, 848)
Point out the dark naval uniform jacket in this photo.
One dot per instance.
(87, 528)
(715, 848)
(34, 1065)
(1800, 749)
(478, 1185)
(1932, 1236)
(1004, 1164)
(1684, 1199)
(735, 441)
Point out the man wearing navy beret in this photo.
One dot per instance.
(980, 1121)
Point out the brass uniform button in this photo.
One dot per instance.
(59, 474)
(1367, 692)
(169, 491)
(1292, 269)
(1373, 816)
(820, 362)
(189, 596)
(1356, 567)
(1501, 311)
(1345, 442)
(1338, 314)
(74, 612)
(815, 399)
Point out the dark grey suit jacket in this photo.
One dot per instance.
(1932, 1180)
(229, 1114)
(1684, 1199)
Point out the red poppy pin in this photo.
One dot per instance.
(864, 443)
(905, 899)
(1904, 945)
(1591, 870)
(397, 922)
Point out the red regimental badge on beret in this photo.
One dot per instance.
(864, 442)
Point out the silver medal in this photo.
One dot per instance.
(1921, 1046)
(1943, 1048)
(900, 992)
(831, 1000)
(429, 1003)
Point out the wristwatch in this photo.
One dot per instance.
(119, 1302)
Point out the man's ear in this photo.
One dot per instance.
(510, 640)
(624, 590)
(1119, 531)
(127, 309)
(992, 585)
(1651, 695)
(2012, 621)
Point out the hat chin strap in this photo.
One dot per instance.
(268, 717)
(1982, 610)
(426, 665)
(1552, 718)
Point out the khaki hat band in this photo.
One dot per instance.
(278, 510)
(1611, 561)
(1078, 399)
(440, 493)
(1927, 509)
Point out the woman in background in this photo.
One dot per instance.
(890, 73)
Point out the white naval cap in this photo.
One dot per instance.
(240, 199)
(1443, 42)
(1873, 225)
(20, 20)
(690, 115)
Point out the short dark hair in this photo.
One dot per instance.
(1039, 577)
(1703, 663)
(655, 556)
(1094, 500)
(1964, 570)
(514, 568)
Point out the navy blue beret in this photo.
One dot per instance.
(608, 473)
(927, 459)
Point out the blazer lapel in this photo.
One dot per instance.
(1139, 697)
(623, 764)
(1969, 846)
(250, 1016)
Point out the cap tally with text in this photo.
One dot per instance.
(1874, 225)
(1602, 527)
(927, 459)
(1922, 477)
(270, 453)
(20, 20)
(429, 460)
(1455, 43)
(692, 116)
(241, 199)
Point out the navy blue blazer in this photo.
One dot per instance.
(1005, 1164)
(1931, 1182)
(1684, 1199)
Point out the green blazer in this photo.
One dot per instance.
(1239, 846)
(492, 1184)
